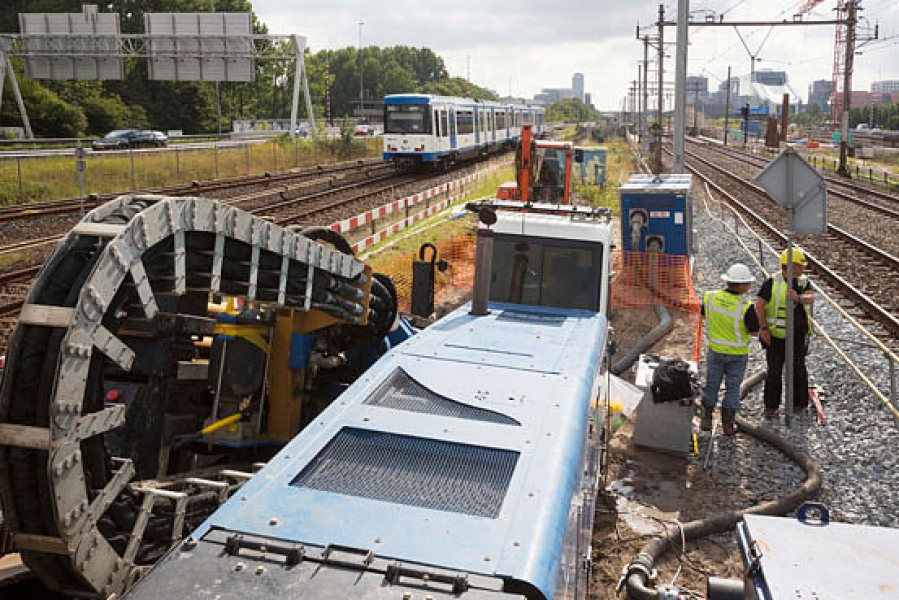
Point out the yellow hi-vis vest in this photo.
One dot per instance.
(724, 313)
(776, 309)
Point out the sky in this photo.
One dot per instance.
(519, 47)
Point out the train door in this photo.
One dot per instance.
(452, 128)
(492, 125)
(477, 125)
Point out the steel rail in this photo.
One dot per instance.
(878, 313)
(24, 273)
(71, 205)
(28, 244)
(761, 162)
(832, 229)
(891, 212)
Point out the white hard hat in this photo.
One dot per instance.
(738, 273)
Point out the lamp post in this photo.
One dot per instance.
(361, 23)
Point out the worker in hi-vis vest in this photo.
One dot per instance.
(771, 307)
(730, 320)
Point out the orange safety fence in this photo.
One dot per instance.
(640, 279)
(457, 250)
(643, 279)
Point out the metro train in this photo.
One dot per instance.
(425, 130)
(463, 464)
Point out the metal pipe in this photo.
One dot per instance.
(664, 327)
(483, 257)
(680, 85)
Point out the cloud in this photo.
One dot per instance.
(540, 43)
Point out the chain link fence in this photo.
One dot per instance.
(39, 178)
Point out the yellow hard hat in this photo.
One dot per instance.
(798, 257)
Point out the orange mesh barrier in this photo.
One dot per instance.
(642, 279)
(637, 274)
(457, 250)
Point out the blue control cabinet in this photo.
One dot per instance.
(657, 214)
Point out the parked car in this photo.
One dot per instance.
(364, 131)
(303, 130)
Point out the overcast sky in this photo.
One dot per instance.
(521, 46)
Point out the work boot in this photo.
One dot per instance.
(727, 421)
(706, 423)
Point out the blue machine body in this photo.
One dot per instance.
(463, 463)
(824, 561)
(657, 214)
(552, 353)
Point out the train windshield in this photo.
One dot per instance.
(546, 272)
(407, 118)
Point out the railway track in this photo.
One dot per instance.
(207, 188)
(856, 192)
(860, 271)
(308, 202)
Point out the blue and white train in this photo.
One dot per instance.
(463, 465)
(421, 129)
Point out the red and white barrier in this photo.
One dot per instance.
(380, 212)
(399, 226)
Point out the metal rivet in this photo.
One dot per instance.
(260, 570)
(239, 567)
(273, 522)
(486, 559)
(516, 544)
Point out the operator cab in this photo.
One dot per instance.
(549, 255)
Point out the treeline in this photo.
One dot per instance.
(77, 108)
(572, 109)
(884, 116)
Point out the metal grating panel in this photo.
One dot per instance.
(413, 471)
(401, 392)
(521, 316)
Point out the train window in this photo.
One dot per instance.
(407, 118)
(444, 123)
(500, 119)
(465, 122)
(437, 130)
(546, 272)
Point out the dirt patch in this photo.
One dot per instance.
(647, 493)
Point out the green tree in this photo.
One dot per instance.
(572, 109)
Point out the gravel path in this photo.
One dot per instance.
(856, 448)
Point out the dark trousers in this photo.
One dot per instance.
(775, 354)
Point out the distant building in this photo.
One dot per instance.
(549, 96)
(588, 100)
(577, 84)
(819, 93)
(697, 88)
(862, 99)
(767, 88)
(887, 86)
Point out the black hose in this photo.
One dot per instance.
(639, 570)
